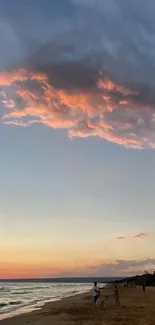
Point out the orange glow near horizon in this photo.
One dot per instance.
(58, 259)
(25, 269)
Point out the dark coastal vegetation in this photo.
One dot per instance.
(147, 279)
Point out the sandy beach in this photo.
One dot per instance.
(137, 309)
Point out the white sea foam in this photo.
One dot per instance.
(16, 298)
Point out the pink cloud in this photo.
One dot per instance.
(109, 110)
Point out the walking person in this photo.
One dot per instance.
(116, 295)
(96, 294)
(144, 287)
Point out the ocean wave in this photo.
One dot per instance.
(21, 292)
(3, 304)
(17, 296)
(4, 289)
(73, 292)
(36, 288)
(10, 303)
(15, 303)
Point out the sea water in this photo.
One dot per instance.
(17, 298)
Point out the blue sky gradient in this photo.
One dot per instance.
(66, 200)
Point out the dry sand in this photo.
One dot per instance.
(138, 308)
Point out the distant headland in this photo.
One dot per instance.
(147, 278)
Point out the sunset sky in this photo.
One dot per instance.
(77, 114)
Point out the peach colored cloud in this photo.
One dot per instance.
(110, 85)
(108, 110)
(141, 235)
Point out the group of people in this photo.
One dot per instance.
(97, 293)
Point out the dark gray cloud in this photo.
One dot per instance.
(100, 52)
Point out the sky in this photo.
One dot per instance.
(77, 130)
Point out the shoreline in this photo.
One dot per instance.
(40, 310)
(137, 308)
(26, 309)
(29, 309)
(18, 302)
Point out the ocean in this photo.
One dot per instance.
(17, 298)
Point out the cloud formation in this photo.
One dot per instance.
(141, 235)
(88, 75)
(124, 267)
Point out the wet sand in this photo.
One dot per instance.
(138, 308)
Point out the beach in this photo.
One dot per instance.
(137, 308)
(24, 297)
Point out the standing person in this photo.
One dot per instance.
(116, 295)
(144, 287)
(96, 293)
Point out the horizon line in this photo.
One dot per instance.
(61, 278)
